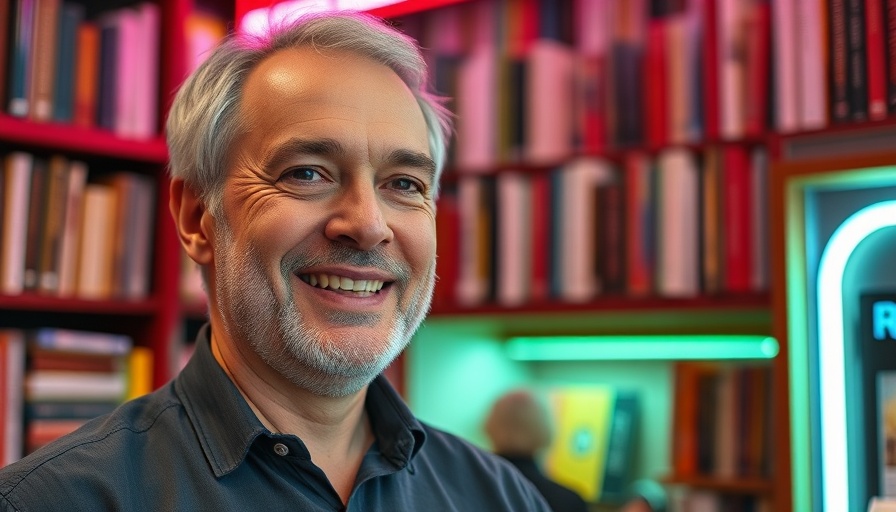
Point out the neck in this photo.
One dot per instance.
(336, 431)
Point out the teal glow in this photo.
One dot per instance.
(798, 349)
(644, 348)
(835, 471)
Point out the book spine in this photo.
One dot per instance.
(876, 54)
(857, 71)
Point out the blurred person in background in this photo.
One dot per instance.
(520, 429)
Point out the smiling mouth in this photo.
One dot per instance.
(334, 282)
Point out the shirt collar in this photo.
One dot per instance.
(226, 426)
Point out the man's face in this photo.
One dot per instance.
(324, 262)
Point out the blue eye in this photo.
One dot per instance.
(406, 185)
(302, 174)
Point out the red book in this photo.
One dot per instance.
(448, 236)
(737, 218)
(655, 89)
(710, 58)
(758, 64)
(875, 52)
(541, 236)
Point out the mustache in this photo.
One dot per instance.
(337, 254)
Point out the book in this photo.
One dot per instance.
(43, 58)
(71, 230)
(513, 242)
(145, 95)
(6, 13)
(37, 191)
(580, 281)
(737, 218)
(12, 364)
(599, 470)
(87, 74)
(17, 182)
(72, 14)
(97, 245)
(471, 288)
(81, 342)
(53, 224)
(876, 59)
(812, 60)
(839, 55)
(640, 219)
(678, 240)
(889, 15)
(786, 65)
(540, 236)
(20, 62)
(548, 124)
(590, 74)
(857, 67)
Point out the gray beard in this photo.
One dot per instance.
(276, 331)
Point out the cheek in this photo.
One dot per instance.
(419, 241)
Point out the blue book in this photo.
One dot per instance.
(70, 18)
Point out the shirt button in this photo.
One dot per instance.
(281, 449)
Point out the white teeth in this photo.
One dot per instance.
(334, 282)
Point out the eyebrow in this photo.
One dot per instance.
(332, 148)
(289, 149)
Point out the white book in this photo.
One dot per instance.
(17, 183)
(549, 102)
(678, 258)
(73, 385)
(512, 238)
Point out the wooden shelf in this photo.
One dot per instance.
(731, 302)
(85, 141)
(732, 485)
(35, 302)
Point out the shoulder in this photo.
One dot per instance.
(91, 460)
(477, 474)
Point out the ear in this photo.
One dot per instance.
(193, 222)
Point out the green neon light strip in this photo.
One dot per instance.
(835, 473)
(645, 348)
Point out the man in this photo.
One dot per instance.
(519, 429)
(304, 170)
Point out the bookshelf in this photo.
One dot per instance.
(151, 317)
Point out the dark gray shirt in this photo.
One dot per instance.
(195, 444)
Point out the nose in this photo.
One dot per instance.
(358, 219)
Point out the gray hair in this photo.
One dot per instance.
(204, 118)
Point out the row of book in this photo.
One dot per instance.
(679, 225)
(538, 80)
(55, 380)
(100, 70)
(721, 420)
(68, 234)
(834, 62)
